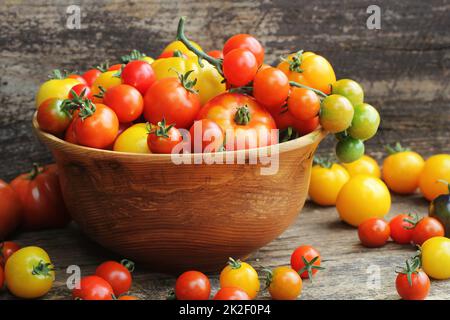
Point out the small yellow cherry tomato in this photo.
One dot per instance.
(133, 139)
(436, 168)
(55, 88)
(401, 171)
(327, 179)
(364, 165)
(361, 198)
(29, 273)
(179, 46)
(240, 275)
(105, 80)
(284, 284)
(436, 257)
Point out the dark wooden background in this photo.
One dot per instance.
(404, 66)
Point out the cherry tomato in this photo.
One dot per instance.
(104, 81)
(118, 275)
(217, 54)
(93, 288)
(284, 283)
(402, 228)
(306, 261)
(364, 165)
(247, 42)
(98, 129)
(77, 77)
(350, 89)
(179, 46)
(374, 232)
(206, 136)
(303, 104)
(174, 100)
(29, 273)
(52, 117)
(239, 67)
(192, 285)
(7, 248)
(10, 209)
(133, 139)
(162, 138)
(40, 194)
(436, 168)
(55, 88)
(307, 126)
(138, 74)
(244, 121)
(90, 76)
(240, 275)
(349, 149)
(231, 293)
(69, 136)
(412, 284)
(336, 113)
(271, 87)
(366, 120)
(425, 229)
(115, 67)
(126, 101)
(361, 198)
(171, 54)
(327, 179)
(436, 257)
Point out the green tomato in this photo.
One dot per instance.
(365, 122)
(349, 150)
(336, 113)
(350, 89)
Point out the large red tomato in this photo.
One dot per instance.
(42, 202)
(246, 124)
(10, 210)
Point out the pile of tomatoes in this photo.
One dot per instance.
(143, 105)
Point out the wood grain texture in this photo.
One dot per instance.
(349, 266)
(404, 66)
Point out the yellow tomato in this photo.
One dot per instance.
(133, 139)
(361, 198)
(326, 182)
(179, 46)
(436, 168)
(148, 59)
(285, 284)
(309, 69)
(55, 88)
(364, 165)
(106, 80)
(401, 171)
(29, 273)
(240, 275)
(436, 257)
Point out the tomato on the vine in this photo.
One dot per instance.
(163, 138)
(425, 229)
(192, 285)
(239, 67)
(206, 136)
(284, 283)
(350, 89)
(240, 275)
(303, 104)
(402, 228)
(349, 149)
(138, 74)
(336, 113)
(52, 117)
(126, 101)
(93, 288)
(231, 293)
(374, 232)
(118, 275)
(10, 210)
(271, 87)
(366, 120)
(306, 261)
(7, 248)
(247, 42)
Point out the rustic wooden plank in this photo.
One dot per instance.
(346, 261)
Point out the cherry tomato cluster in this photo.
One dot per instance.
(141, 105)
(240, 281)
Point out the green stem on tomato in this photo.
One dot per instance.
(299, 85)
(217, 63)
(35, 171)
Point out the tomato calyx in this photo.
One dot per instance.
(134, 55)
(34, 172)
(397, 148)
(323, 162)
(234, 264)
(161, 129)
(413, 220)
(79, 102)
(242, 116)
(130, 265)
(185, 82)
(296, 62)
(42, 269)
(412, 267)
(58, 74)
(103, 67)
(309, 267)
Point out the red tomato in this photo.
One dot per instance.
(10, 209)
(217, 54)
(79, 88)
(162, 138)
(51, 116)
(206, 136)
(307, 126)
(418, 289)
(77, 77)
(245, 41)
(192, 285)
(115, 67)
(427, 228)
(231, 293)
(98, 130)
(284, 119)
(172, 100)
(402, 228)
(126, 101)
(270, 87)
(303, 104)
(42, 202)
(245, 122)
(7, 248)
(93, 288)
(138, 74)
(239, 67)
(91, 75)
(70, 134)
(306, 261)
(374, 232)
(117, 275)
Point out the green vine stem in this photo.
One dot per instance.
(35, 171)
(299, 85)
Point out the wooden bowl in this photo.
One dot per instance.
(177, 217)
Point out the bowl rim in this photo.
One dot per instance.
(311, 138)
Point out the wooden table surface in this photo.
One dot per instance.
(351, 269)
